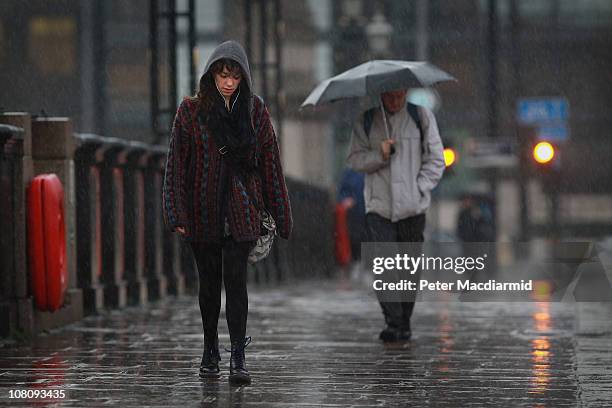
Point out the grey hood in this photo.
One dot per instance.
(234, 51)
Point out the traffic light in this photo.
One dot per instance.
(545, 156)
(546, 163)
(450, 156)
(543, 153)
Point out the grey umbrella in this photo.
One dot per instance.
(359, 88)
(372, 78)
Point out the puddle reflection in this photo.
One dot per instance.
(48, 380)
(446, 342)
(540, 350)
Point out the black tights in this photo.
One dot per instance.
(227, 262)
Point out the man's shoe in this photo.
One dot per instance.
(388, 334)
(404, 335)
(394, 334)
(238, 372)
(209, 367)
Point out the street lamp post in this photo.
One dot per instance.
(379, 33)
(351, 39)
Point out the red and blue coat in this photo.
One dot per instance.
(194, 173)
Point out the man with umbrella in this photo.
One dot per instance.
(398, 147)
(401, 170)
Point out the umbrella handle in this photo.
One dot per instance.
(384, 115)
(382, 110)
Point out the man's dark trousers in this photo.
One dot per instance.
(380, 229)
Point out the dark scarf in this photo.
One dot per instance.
(232, 129)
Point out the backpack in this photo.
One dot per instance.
(368, 118)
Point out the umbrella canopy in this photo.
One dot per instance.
(368, 80)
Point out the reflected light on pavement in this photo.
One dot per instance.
(540, 350)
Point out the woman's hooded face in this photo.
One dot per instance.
(227, 80)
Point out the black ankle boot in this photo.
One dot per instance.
(238, 372)
(210, 358)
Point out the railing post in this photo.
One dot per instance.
(16, 174)
(111, 190)
(53, 152)
(154, 224)
(12, 274)
(172, 249)
(134, 214)
(89, 221)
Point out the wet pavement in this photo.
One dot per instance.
(316, 345)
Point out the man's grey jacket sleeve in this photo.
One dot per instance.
(432, 165)
(362, 156)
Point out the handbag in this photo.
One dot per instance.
(264, 242)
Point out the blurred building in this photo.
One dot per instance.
(505, 50)
(91, 60)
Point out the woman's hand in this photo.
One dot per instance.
(180, 230)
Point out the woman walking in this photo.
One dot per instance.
(223, 168)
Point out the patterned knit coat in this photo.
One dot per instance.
(194, 172)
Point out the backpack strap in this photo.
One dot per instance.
(413, 111)
(368, 118)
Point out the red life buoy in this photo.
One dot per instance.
(47, 242)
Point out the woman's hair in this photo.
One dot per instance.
(207, 89)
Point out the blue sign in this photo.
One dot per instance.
(541, 111)
(557, 133)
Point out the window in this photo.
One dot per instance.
(51, 44)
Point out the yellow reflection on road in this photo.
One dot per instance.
(540, 349)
